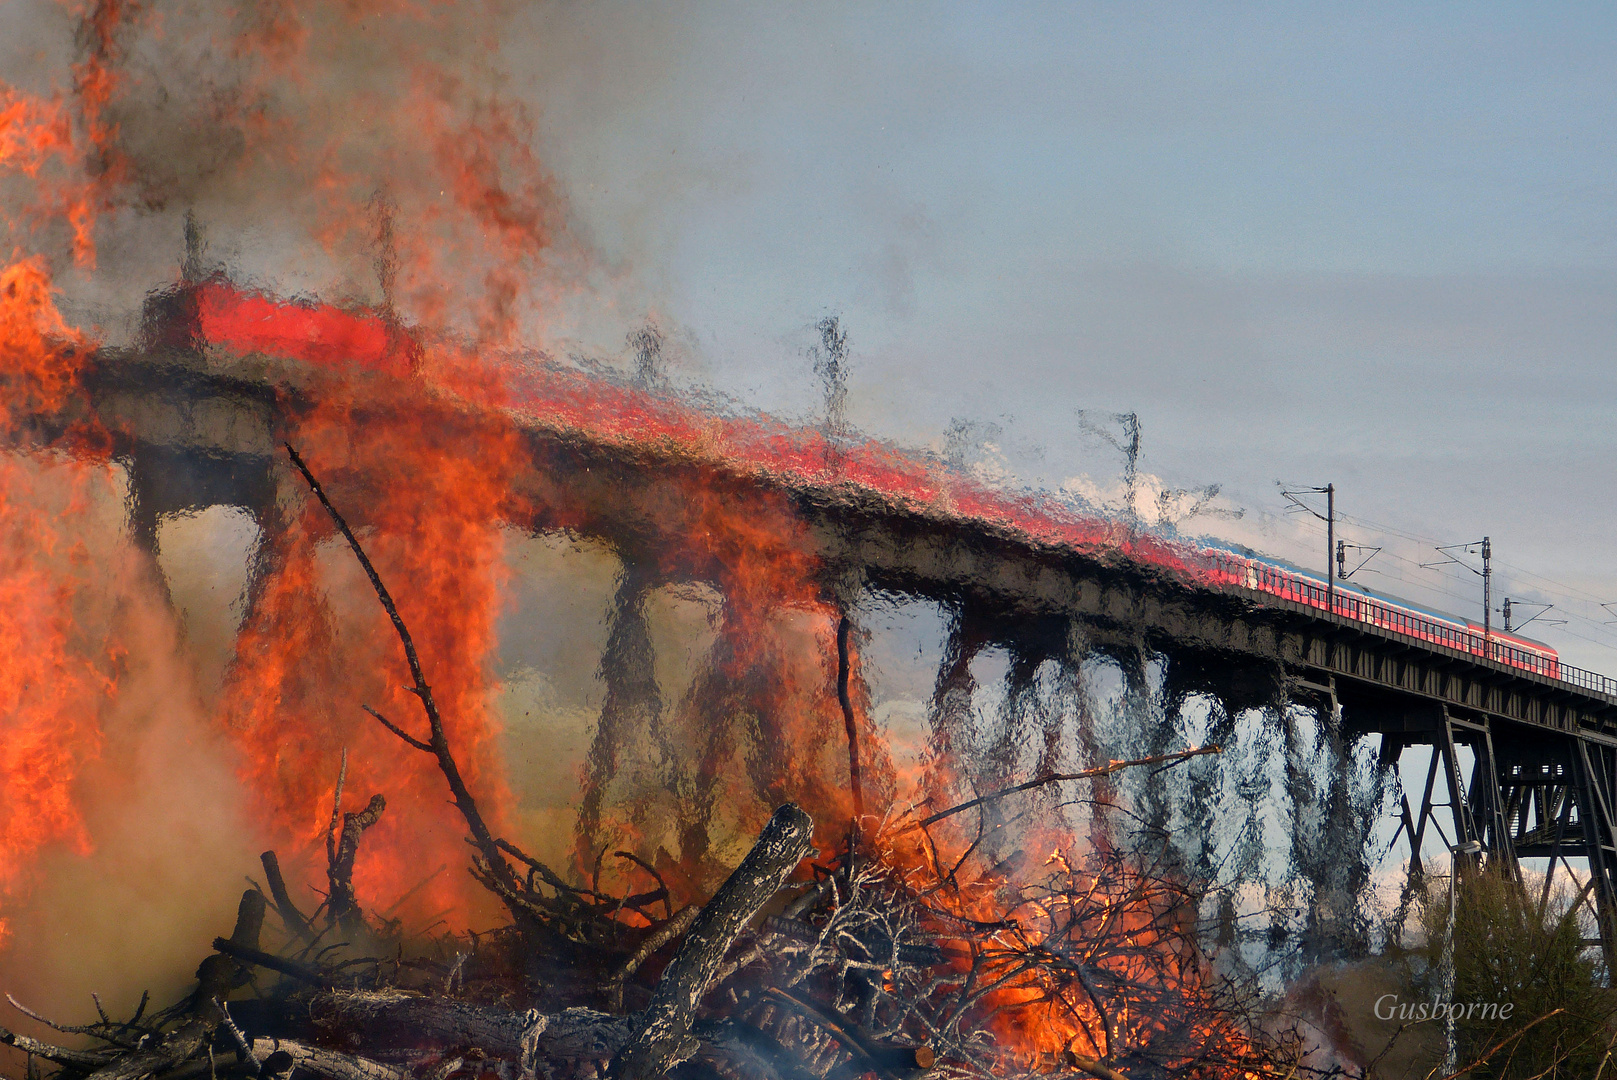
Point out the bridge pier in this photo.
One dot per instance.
(632, 708)
(950, 713)
(1337, 861)
(1530, 794)
(164, 481)
(1595, 767)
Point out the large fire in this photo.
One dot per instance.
(419, 434)
(54, 671)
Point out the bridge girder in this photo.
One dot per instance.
(1546, 752)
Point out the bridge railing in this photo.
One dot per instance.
(1261, 577)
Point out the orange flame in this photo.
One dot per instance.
(51, 681)
(1091, 955)
(428, 490)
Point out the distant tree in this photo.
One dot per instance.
(1511, 949)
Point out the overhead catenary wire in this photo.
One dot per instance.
(1431, 580)
(1556, 588)
(1517, 571)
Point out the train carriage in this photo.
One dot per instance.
(1349, 600)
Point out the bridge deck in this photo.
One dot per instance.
(201, 424)
(199, 416)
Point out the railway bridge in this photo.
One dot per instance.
(198, 408)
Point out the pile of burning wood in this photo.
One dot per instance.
(902, 953)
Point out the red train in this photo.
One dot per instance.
(1350, 601)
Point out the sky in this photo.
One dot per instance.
(1373, 246)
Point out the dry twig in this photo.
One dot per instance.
(1053, 778)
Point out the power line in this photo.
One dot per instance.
(1570, 590)
(1431, 581)
(1559, 588)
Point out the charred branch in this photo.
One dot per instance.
(342, 906)
(882, 1060)
(438, 743)
(295, 969)
(851, 723)
(671, 928)
(291, 917)
(1093, 1066)
(85, 1060)
(217, 976)
(663, 1032)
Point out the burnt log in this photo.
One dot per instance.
(331, 1064)
(402, 1021)
(662, 1037)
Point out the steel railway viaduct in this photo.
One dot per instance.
(198, 424)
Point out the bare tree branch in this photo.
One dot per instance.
(438, 745)
(1053, 778)
(1500, 1045)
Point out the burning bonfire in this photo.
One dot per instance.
(903, 945)
(950, 940)
(784, 907)
(901, 954)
